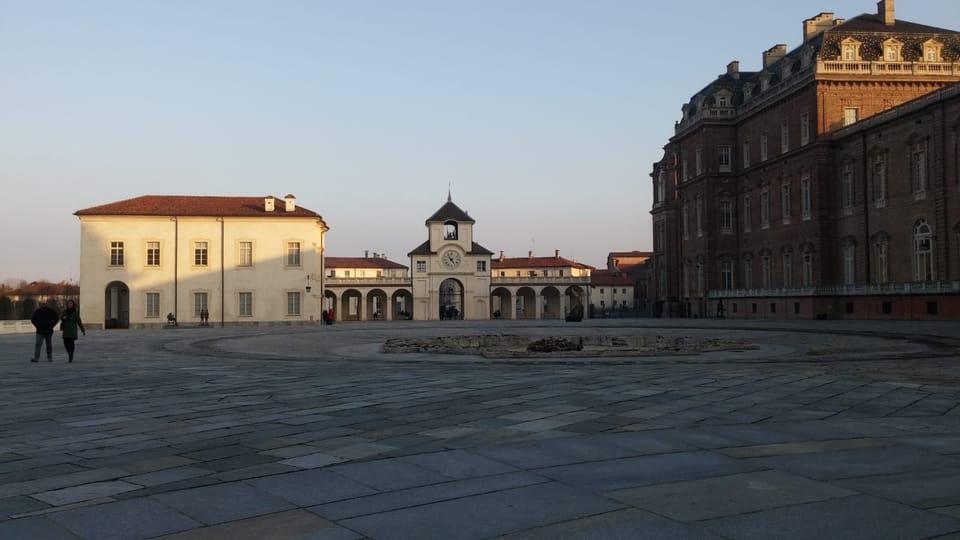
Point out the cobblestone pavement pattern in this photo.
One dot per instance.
(827, 429)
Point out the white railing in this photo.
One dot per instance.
(367, 281)
(504, 280)
(887, 68)
(885, 289)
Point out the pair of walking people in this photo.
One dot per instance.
(45, 319)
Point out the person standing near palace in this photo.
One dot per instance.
(44, 320)
(69, 324)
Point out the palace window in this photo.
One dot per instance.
(450, 230)
(918, 169)
(922, 252)
(764, 209)
(784, 137)
(881, 256)
(892, 50)
(245, 254)
(804, 129)
(807, 269)
(698, 160)
(726, 274)
(724, 160)
(245, 304)
(932, 51)
(685, 169)
(849, 257)
(746, 154)
(785, 201)
(805, 210)
(153, 253)
(699, 216)
(685, 220)
(199, 303)
(846, 188)
(200, 253)
(763, 147)
(481, 266)
(421, 266)
(747, 271)
(850, 115)
(879, 183)
(153, 305)
(726, 215)
(116, 253)
(850, 50)
(747, 213)
(293, 303)
(293, 253)
(765, 271)
(787, 259)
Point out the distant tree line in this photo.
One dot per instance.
(18, 302)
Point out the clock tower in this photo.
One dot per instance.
(451, 272)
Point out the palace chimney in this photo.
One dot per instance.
(268, 203)
(815, 26)
(773, 54)
(885, 12)
(291, 203)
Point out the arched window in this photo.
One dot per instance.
(881, 257)
(922, 251)
(450, 230)
(849, 257)
(748, 271)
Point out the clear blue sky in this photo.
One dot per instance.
(544, 115)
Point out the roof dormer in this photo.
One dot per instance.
(849, 50)
(892, 50)
(932, 51)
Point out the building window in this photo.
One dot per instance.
(785, 201)
(747, 213)
(746, 154)
(726, 274)
(764, 209)
(850, 115)
(787, 259)
(700, 278)
(699, 216)
(880, 180)
(805, 211)
(293, 303)
(684, 169)
(748, 271)
(199, 303)
(293, 253)
(846, 188)
(850, 50)
(421, 266)
(918, 170)
(660, 193)
(763, 147)
(698, 160)
(724, 159)
(726, 215)
(807, 269)
(245, 304)
(245, 256)
(849, 263)
(922, 252)
(881, 260)
(804, 129)
(765, 271)
(153, 253)
(481, 266)
(153, 305)
(784, 137)
(116, 253)
(685, 220)
(661, 239)
(200, 253)
(932, 50)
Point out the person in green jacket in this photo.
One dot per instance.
(69, 323)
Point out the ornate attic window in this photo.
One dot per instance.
(849, 50)
(892, 50)
(932, 51)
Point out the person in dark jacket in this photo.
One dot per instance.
(69, 323)
(44, 320)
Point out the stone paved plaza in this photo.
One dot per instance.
(822, 429)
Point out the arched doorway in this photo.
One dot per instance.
(575, 302)
(402, 305)
(351, 307)
(451, 299)
(525, 304)
(116, 305)
(501, 304)
(376, 308)
(551, 303)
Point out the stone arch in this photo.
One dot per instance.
(550, 298)
(116, 305)
(402, 302)
(501, 303)
(376, 305)
(451, 299)
(525, 306)
(351, 306)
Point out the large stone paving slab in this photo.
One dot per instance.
(139, 518)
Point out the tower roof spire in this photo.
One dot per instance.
(449, 195)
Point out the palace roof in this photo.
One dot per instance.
(361, 262)
(537, 262)
(189, 205)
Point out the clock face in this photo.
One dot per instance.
(450, 259)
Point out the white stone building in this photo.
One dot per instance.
(244, 260)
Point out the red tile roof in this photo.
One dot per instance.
(360, 262)
(605, 277)
(537, 262)
(188, 205)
